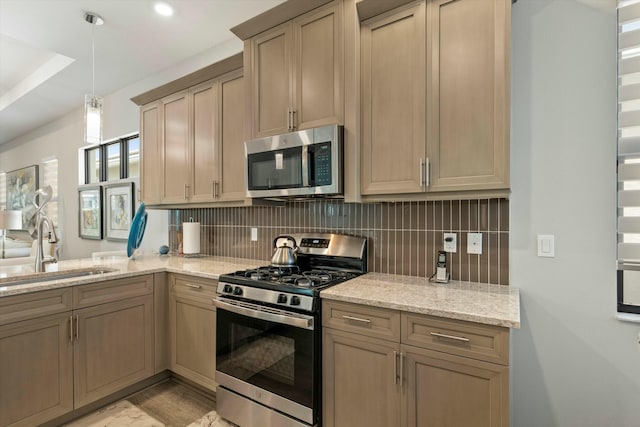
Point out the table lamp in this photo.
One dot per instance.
(9, 220)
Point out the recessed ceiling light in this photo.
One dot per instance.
(163, 9)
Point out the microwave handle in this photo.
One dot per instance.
(305, 165)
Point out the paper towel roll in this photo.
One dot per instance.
(190, 238)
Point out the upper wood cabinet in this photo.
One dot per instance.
(150, 131)
(440, 122)
(192, 139)
(295, 73)
(393, 81)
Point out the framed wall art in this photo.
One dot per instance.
(21, 187)
(90, 208)
(118, 199)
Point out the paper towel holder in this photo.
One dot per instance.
(189, 250)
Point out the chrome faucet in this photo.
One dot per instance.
(42, 260)
(41, 219)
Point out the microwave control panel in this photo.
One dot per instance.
(320, 164)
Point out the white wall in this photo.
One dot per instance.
(573, 364)
(63, 137)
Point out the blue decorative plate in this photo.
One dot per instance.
(136, 232)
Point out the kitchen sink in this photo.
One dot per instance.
(53, 275)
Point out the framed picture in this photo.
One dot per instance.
(118, 199)
(90, 208)
(21, 187)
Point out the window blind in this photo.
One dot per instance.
(629, 132)
(50, 177)
(3, 190)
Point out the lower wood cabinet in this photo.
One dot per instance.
(113, 347)
(36, 370)
(52, 364)
(192, 327)
(371, 377)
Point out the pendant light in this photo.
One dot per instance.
(93, 103)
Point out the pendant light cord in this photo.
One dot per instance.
(93, 60)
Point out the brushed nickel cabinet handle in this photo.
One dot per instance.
(401, 369)
(421, 162)
(428, 173)
(185, 191)
(216, 191)
(288, 118)
(357, 319)
(293, 120)
(395, 366)
(189, 285)
(71, 329)
(450, 337)
(213, 189)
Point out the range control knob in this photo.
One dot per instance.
(295, 300)
(227, 289)
(282, 299)
(237, 290)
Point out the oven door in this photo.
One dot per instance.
(269, 356)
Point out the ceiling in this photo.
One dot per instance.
(45, 49)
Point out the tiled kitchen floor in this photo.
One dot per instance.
(168, 404)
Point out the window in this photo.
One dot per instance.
(629, 156)
(113, 160)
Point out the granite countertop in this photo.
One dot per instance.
(475, 302)
(206, 266)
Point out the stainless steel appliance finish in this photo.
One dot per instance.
(268, 337)
(283, 254)
(303, 163)
(245, 412)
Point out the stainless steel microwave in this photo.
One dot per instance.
(303, 163)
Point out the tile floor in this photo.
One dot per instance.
(168, 404)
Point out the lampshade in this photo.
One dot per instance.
(10, 220)
(92, 119)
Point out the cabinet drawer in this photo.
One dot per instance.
(372, 321)
(37, 304)
(194, 287)
(112, 290)
(477, 341)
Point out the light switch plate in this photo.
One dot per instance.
(546, 245)
(254, 234)
(449, 244)
(474, 243)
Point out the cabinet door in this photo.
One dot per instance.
(271, 81)
(193, 338)
(318, 76)
(36, 370)
(150, 131)
(175, 148)
(445, 390)
(393, 102)
(360, 386)
(232, 172)
(113, 348)
(469, 132)
(204, 155)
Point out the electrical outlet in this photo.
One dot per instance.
(254, 234)
(449, 244)
(474, 243)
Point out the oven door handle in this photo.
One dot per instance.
(259, 312)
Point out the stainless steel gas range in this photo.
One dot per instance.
(268, 336)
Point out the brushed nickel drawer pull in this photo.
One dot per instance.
(357, 319)
(451, 337)
(189, 285)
